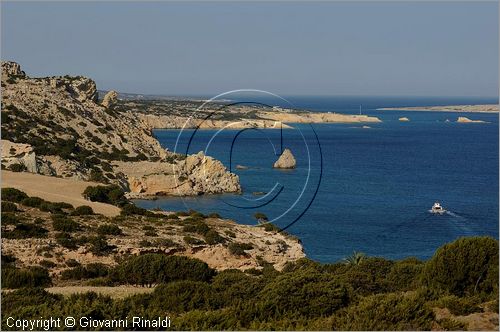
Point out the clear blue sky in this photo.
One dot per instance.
(387, 48)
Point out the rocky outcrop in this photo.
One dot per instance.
(404, 119)
(195, 175)
(72, 136)
(177, 122)
(10, 68)
(81, 88)
(463, 119)
(110, 99)
(286, 160)
(18, 154)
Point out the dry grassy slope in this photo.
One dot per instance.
(145, 234)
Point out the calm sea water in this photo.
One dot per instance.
(354, 188)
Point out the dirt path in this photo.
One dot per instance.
(55, 190)
(117, 292)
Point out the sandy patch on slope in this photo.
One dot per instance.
(56, 190)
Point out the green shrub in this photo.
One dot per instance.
(449, 324)
(464, 267)
(198, 227)
(182, 296)
(11, 219)
(89, 271)
(150, 269)
(404, 275)
(260, 216)
(111, 194)
(9, 207)
(83, 210)
(34, 276)
(47, 264)
(66, 240)
(390, 311)
(63, 224)
(131, 209)
(287, 294)
(13, 195)
(212, 237)
(32, 201)
(459, 306)
(25, 231)
(99, 246)
(193, 241)
(72, 263)
(238, 249)
(109, 229)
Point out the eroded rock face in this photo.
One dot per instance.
(62, 121)
(195, 175)
(110, 99)
(286, 160)
(11, 68)
(20, 154)
(81, 88)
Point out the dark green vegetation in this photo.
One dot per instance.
(360, 293)
(363, 294)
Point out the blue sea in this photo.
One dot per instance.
(355, 188)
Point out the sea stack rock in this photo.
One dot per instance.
(286, 160)
(110, 99)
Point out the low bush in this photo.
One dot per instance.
(198, 227)
(192, 240)
(25, 231)
(9, 218)
(32, 201)
(459, 306)
(387, 312)
(9, 207)
(83, 210)
(212, 237)
(109, 229)
(151, 269)
(47, 264)
(63, 224)
(34, 276)
(99, 246)
(111, 194)
(465, 267)
(13, 195)
(238, 249)
(89, 271)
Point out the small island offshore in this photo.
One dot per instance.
(74, 245)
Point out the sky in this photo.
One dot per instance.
(322, 48)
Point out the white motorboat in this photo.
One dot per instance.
(437, 208)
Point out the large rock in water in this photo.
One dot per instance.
(286, 160)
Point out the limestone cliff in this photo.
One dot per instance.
(65, 132)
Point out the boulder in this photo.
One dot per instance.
(463, 119)
(286, 160)
(110, 99)
(19, 154)
(80, 87)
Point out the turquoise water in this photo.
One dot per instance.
(359, 189)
